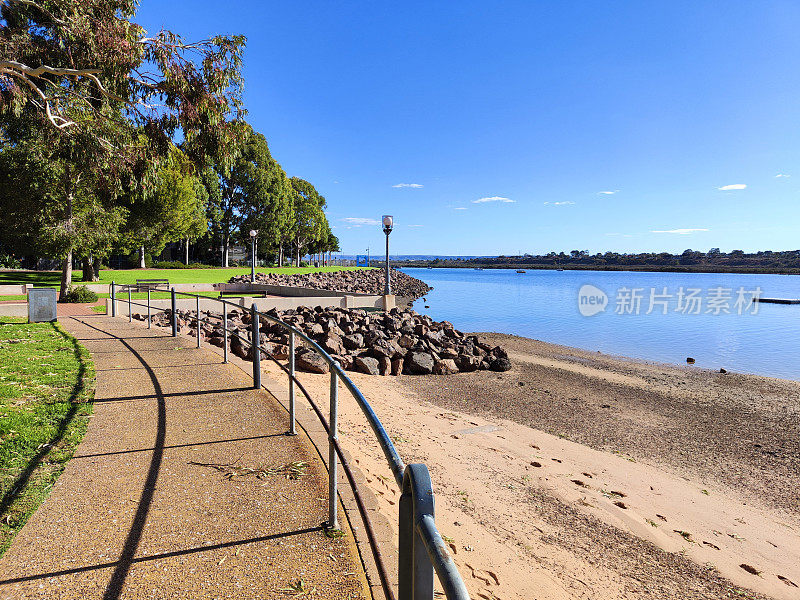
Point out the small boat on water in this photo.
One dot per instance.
(521, 271)
(559, 269)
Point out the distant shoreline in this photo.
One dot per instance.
(634, 268)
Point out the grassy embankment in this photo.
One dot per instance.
(46, 388)
(218, 275)
(127, 276)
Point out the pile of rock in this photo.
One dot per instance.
(358, 281)
(374, 343)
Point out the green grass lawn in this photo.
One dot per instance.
(46, 386)
(218, 275)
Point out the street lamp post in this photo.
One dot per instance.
(253, 234)
(388, 224)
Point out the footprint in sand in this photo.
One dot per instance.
(558, 460)
(578, 482)
(710, 545)
(750, 569)
(587, 475)
(489, 579)
(685, 535)
(621, 504)
(535, 464)
(788, 582)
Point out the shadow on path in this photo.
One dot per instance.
(244, 439)
(126, 559)
(141, 559)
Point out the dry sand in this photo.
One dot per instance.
(579, 475)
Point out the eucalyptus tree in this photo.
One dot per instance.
(87, 82)
(32, 180)
(253, 193)
(173, 210)
(307, 216)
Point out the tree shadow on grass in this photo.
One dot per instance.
(78, 390)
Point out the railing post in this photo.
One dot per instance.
(256, 347)
(415, 569)
(224, 332)
(333, 435)
(291, 385)
(197, 322)
(113, 299)
(148, 307)
(130, 307)
(174, 316)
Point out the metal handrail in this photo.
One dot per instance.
(422, 550)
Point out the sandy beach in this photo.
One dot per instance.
(581, 475)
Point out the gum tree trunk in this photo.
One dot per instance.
(142, 263)
(66, 267)
(88, 269)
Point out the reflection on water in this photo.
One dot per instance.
(544, 305)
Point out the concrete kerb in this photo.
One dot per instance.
(262, 304)
(317, 437)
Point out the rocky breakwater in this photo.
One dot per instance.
(373, 343)
(358, 281)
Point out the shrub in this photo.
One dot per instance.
(9, 262)
(80, 293)
(174, 264)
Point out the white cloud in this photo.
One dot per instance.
(563, 203)
(733, 186)
(493, 199)
(782, 175)
(407, 185)
(608, 192)
(680, 231)
(460, 208)
(360, 221)
(416, 225)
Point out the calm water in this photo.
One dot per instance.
(544, 305)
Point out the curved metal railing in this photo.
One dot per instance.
(422, 549)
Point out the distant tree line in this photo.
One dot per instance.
(766, 261)
(115, 141)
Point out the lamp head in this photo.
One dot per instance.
(388, 224)
(253, 233)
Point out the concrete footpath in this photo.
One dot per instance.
(133, 517)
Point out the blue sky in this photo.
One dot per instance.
(500, 127)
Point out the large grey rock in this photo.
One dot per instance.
(448, 353)
(237, 346)
(366, 364)
(311, 362)
(419, 363)
(332, 343)
(406, 341)
(500, 364)
(353, 341)
(467, 363)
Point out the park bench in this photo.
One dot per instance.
(142, 285)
